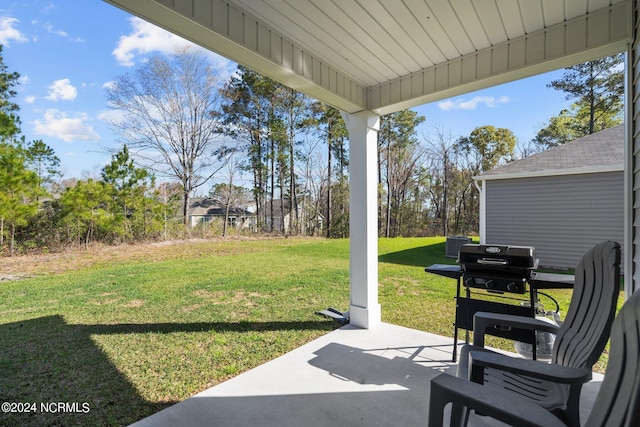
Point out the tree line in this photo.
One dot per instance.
(181, 125)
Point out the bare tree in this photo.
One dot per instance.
(167, 114)
(403, 166)
(312, 170)
(228, 193)
(396, 150)
(441, 150)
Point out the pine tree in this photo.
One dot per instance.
(598, 90)
(18, 191)
(126, 186)
(9, 120)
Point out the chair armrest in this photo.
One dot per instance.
(483, 321)
(478, 360)
(487, 400)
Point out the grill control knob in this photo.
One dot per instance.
(489, 284)
(512, 287)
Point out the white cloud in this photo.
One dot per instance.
(30, 99)
(472, 104)
(145, 38)
(62, 90)
(112, 116)
(50, 28)
(8, 32)
(58, 124)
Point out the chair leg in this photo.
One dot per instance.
(459, 415)
(436, 410)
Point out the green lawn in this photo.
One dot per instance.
(131, 337)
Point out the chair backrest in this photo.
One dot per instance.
(586, 328)
(618, 401)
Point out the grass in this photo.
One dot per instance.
(132, 330)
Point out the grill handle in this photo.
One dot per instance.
(490, 261)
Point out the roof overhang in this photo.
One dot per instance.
(395, 55)
(551, 172)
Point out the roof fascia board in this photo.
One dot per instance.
(244, 39)
(601, 33)
(552, 172)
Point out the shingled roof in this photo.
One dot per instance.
(200, 206)
(599, 152)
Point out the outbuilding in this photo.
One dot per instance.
(561, 201)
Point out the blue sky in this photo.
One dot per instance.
(67, 51)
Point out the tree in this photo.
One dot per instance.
(598, 90)
(398, 157)
(312, 169)
(442, 154)
(560, 130)
(126, 186)
(169, 195)
(484, 149)
(295, 106)
(18, 190)
(487, 146)
(169, 117)
(9, 120)
(84, 210)
(229, 194)
(43, 161)
(332, 129)
(246, 113)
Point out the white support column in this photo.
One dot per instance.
(364, 310)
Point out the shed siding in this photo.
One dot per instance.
(561, 216)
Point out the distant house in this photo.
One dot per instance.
(275, 217)
(561, 201)
(203, 210)
(280, 221)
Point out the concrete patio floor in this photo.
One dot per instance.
(349, 377)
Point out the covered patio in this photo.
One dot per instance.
(351, 376)
(370, 58)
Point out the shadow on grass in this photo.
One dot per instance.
(46, 361)
(422, 256)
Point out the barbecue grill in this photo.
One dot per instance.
(497, 268)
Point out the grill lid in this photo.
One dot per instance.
(497, 258)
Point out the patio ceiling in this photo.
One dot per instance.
(387, 55)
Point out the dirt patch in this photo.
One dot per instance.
(104, 302)
(236, 297)
(24, 266)
(52, 263)
(203, 293)
(191, 307)
(136, 303)
(107, 294)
